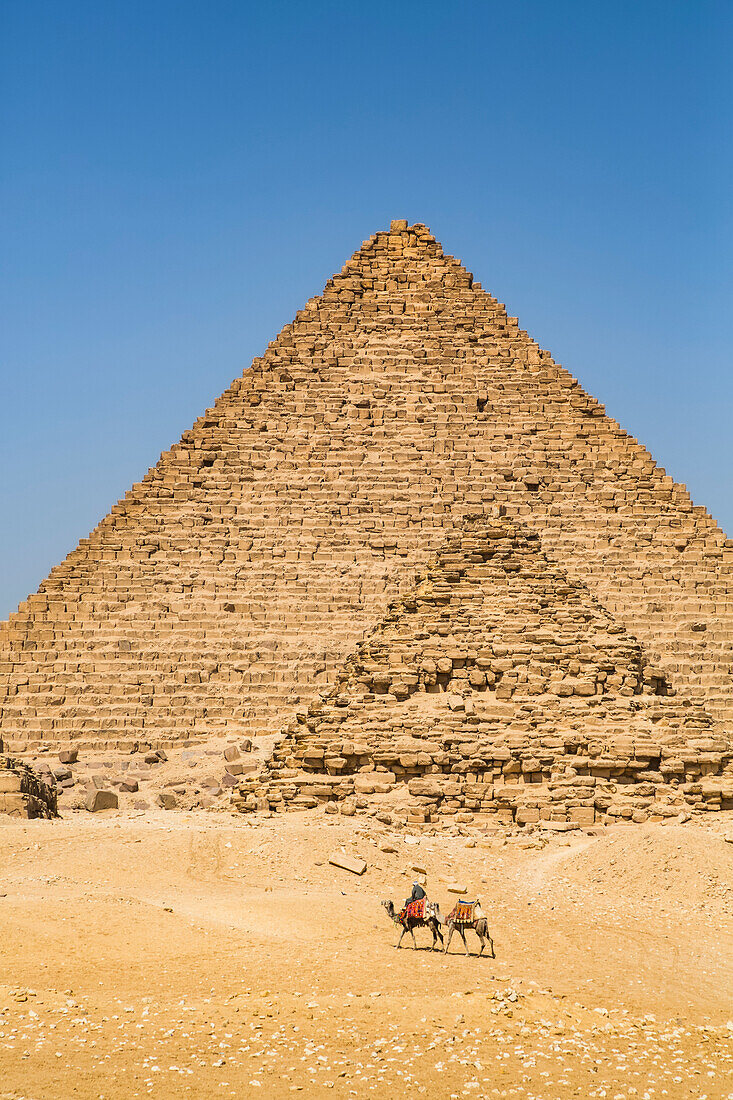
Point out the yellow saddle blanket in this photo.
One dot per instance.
(464, 912)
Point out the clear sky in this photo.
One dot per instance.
(177, 177)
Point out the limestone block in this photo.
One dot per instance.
(15, 805)
(526, 814)
(354, 864)
(101, 800)
(582, 815)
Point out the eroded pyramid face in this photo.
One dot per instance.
(499, 688)
(230, 585)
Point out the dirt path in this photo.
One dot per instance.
(197, 955)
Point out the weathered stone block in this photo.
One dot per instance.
(101, 800)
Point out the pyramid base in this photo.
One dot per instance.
(600, 792)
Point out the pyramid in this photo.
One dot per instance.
(500, 686)
(228, 587)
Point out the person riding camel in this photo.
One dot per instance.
(417, 894)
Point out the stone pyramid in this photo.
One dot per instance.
(230, 584)
(498, 685)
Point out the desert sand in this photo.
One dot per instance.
(200, 954)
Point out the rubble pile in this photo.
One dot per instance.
(499, 689)
(189, 777)
(23, 793)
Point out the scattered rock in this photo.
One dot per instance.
(101, 800)
(348, 863)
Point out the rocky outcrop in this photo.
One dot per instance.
(22, 792)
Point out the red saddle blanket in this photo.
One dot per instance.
(463, 912)
(414, 911)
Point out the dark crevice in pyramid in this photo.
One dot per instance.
(498, 685)
(229, 585)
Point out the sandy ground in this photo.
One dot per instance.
(203, 955)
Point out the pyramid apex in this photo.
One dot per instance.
(398, 225)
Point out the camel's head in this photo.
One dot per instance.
(389, 906)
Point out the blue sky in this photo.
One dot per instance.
(177, 178)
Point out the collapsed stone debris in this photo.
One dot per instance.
(22, 792)
(228, 589)
(498, 689)
(188, 777)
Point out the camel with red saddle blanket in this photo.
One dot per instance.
(418, 914)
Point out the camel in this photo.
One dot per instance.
(477, 921)
(431, 920)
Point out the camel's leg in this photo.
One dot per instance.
(491, 945)
(463, 937)
(451, 930)
(399, 941)
(412, 933)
